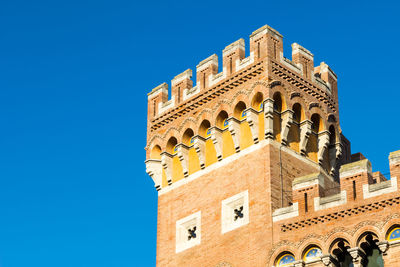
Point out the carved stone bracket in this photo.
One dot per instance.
(153, 169)
(183, 155)
(383, 247)
(269, 118)
(199, 144)
(323, 142)
(234, 129)
(305, 131)
(252, 120)
(358, 256)
(287, 120)
(216, 137)
(328, 260)
(166, 162)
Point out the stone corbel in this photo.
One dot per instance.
(183, 155)
(305, 131)
(358, 255)
(166, 162)
(252, 120)
(335, 151)
(269, 118)
(323, 142)
(154, 170)
(339, 150)
(287, 120)
(383, 247)
(234, 129)
(216, 137)
(199, 144)
(328, 260)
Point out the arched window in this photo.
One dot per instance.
(331, 118)
(294, 132)
(239, 111)
(298, 113)
(171, 145)
(339, 250)
(285, 259)
(312, 253)
(394, 233)
(257, 101)
(278, 106)
(373, 256)
(221, 121)
(317, 123)
(155, 152)
(277, 102)
(187, 137)
(204, 129)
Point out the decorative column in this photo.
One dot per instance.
(166, 162)
(269, 118)
(252, 120)
(323, 142)
(199, 144)
(287, 120)
(216, 137)
(234, 129)
(183, 155)
(153, 169)
(305, 131)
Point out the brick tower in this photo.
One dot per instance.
(252, 168)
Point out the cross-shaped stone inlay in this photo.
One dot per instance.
(192, 233)
(238, 213)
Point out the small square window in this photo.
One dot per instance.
(188, 232)
(235, 212)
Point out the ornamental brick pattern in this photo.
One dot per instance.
(257, 149)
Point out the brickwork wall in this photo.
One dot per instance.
(295, 199)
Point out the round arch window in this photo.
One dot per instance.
(285, 260)
(312, 254)
(394, 234)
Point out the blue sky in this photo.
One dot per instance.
(74, 78)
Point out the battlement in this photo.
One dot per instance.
(265, 46)
(254, 148)
(318, 196)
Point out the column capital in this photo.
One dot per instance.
(357, 254)
(383, 246)
(328, 260)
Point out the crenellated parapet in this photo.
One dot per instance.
(265, 57)
(252, 147)
(263, 96)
